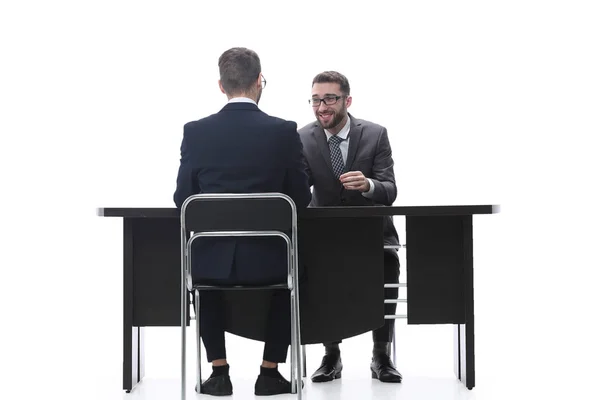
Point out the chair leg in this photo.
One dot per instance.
(297, 337)
(198, 343)
(304, 361)
(293, 354)
(184, 300)
(394, 344)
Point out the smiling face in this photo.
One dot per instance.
(332, 110)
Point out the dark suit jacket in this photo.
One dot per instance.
(241, 150)
(369, 151)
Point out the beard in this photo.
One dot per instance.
(335, 120)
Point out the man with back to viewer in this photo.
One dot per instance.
(241, 149)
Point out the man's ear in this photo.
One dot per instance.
(348, 101)
(221, 87)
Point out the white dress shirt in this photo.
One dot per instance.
(343, 134)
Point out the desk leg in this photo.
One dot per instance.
(133, 336)
(464, 334)
(464, 354)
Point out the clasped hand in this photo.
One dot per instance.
(355, 180)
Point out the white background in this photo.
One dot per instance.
(486, 102)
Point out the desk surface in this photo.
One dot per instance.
(321, 212)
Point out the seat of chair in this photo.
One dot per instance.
(239, 287)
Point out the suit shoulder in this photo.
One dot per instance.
(306, 129)
(190, 125)
(198, 123)
(283, 127)
(282, 122)
(370, 125)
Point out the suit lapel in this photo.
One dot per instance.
(354, 136)
(321, 138)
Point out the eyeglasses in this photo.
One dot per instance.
(328, 100)
(264, 82)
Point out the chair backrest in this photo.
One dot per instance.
(239, 212)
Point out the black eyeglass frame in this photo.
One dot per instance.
(312, 101)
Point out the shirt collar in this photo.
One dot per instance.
(241, 100)
(343, 134)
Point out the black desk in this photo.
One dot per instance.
(339, 247)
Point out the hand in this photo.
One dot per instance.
(355, 180)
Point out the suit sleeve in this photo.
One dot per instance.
(311, 181)
(307, 169)
(187, 184)
(383, 172)
(297, 172)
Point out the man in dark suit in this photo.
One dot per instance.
(350, 164)
(241, 149)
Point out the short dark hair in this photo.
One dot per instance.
(239, 69)
(334, 77)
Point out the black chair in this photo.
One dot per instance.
(240, 215)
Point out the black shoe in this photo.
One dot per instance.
(330, 369)
(383, 369)
(219, 385)
(271, 385)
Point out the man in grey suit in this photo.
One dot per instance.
(350, 164)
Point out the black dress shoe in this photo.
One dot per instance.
(271, 385)
(330, 369)
(219, 385)
(383, 369)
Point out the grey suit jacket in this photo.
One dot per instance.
(369, 151)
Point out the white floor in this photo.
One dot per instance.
(347, 388)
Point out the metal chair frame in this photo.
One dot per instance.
(397, 300)
(187, 239)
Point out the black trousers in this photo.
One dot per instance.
(391, 274)
(212, 326)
